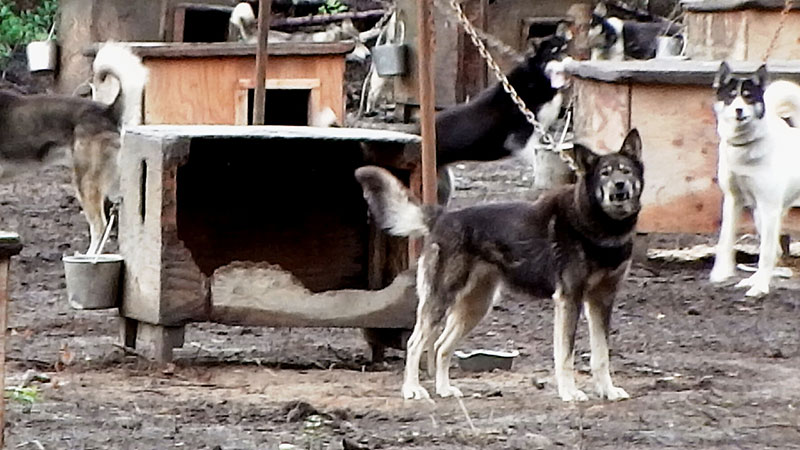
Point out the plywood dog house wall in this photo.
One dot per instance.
(670, 103)
(259, 226)
(741, 30)
(192, 83)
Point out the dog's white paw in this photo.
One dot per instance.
(449, 391)
(720, 273)
(572, 395)
(415, 392)
(613, 393)
(758, 286)
(757, 291)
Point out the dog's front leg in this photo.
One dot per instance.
(724, 261)
(769, 219)
(598, 314)
(565, 320)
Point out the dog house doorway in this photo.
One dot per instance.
(289, 101)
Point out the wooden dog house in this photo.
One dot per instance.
(670, 103)
(741, 30)
(259, 226)
(213, 83)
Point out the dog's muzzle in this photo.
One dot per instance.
(621, 192)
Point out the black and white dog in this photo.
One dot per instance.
(759, 165)
(614, 39)
(573, 244)
(491, 126)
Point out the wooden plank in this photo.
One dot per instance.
(179, 24)
(445, 59)
(204, 90)
(156, 341)
(265, 295)
(716, 36)
(668, 71)
(602, 114)
(366, 135)
(221, 49)
(9, 245)
(680, 158)
(4, 330)
(427, 98)
(264, 15)
(761, 28)
(471, 76)
(162, 285)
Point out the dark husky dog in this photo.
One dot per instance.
(487, 128)
(45, 129)
(573, 244)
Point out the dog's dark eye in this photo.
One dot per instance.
(625, 170)
(605, 171)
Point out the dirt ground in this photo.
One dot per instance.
(705, 367)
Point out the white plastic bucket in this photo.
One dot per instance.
(93, 280)
(42, 55)
(668, 47)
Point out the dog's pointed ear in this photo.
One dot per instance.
(601, 9)
(762, 76)
(723, 75)
(585, 158)
(632, 145)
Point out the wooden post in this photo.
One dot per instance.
(427, 97)
(264, 12)
(9, 246)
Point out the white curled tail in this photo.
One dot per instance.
(782, 98)
(393, 207)
(120, 62)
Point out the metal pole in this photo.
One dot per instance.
(264, 12)
(427, 98)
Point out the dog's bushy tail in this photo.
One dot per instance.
(117, 60)
(783, 99)
(392, 205)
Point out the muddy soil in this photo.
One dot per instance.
(705, 367)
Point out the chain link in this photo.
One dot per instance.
(784, 14)
(529, 115)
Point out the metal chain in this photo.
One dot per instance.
(784, 14)
(529, 115)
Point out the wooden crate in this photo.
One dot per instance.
(741, 30)
(670, 103)
(191, 84)
(258, 226)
